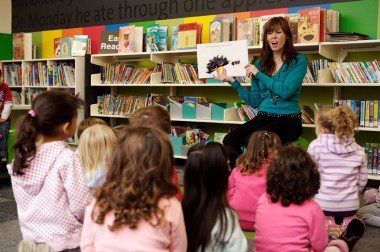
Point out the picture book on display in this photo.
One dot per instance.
(309, 25)
(293, 24)
(163, 38)
(57, 47)
(232, 56)
(79, 47)
(126, 39)
(174, 41)
(65, 47)
(139, 35)
(109, 42)
(22, 46)
(188, 36)
(152, 38)
(215, 32)
(246, 31)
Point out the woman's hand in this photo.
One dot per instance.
(222, 76)
(251, 70)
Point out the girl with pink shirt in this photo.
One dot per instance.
(247, 181)
(136, 208)
(47, 177)
(287, 218)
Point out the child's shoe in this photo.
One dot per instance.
(346, 221)
(333, 229)
(353, 233)
(27, 246)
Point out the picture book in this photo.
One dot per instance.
(152, 38)
(245, 30)
(232, 56)
(57, 47)
(293, 24)
(215, 32)
(22, 46)
(256, 25)
(65, 47)
(139, 37)
(263, 21)
(163, 38)
(79, 45)
(126, 39)
(229, 27)
(174, 41)
(187, 36)
(309, 25)
(109, 42)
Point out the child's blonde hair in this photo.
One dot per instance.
(340, 121)
(96, 146)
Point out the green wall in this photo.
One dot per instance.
(5, 46)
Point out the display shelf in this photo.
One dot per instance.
(21, 107)
(338, 51)
(359, 128)
(15, 86)
(373, 177)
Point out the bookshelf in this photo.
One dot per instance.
(336, 51)
(77, 88)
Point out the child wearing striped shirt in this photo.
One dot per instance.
(341, 164)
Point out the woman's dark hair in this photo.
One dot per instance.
(49, 110)
(205, 199)
(292, 177)
(267, 63)
(260, 146)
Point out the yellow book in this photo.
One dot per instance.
(187, 39)
(375, 113)
(366, 122)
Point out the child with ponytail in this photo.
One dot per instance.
(247, 181)
(47, 177)
(341, 164)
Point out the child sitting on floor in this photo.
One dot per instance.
(247, 181)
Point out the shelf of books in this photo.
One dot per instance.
(28, 78)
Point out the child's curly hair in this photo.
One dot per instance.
(139, 176)
(292, 177)
(259, 148)
(340, 121)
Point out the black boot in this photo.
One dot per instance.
(353, 233)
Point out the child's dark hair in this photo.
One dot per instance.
(88, 122)
(151, 116)
(49, 110)
(292, 177)
(205, 200)
(138, 178)
(260, 146)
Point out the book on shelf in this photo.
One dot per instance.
(313, 70)
(187, 36)
(178, 73)
(163, 38)
(79, 47)
(178, 100)
(372, 151)
(109, 42)
(307, 114)
(229, 27)
(139, 38)
(119, 105)
(355, 72)
(12, 74)
(22, 46)
(126, 39)
(16, 97)
(57, 47)
(218, 137)
(89, 46)
(293, 24)
(174, 41)
(65, 47)
(152, 38)
(125, 74)
(345, 36)
(367, 112)
(309, 25)
(215, 32)
(29, 94)
(246, 31)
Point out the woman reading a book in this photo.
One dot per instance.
(276, 81)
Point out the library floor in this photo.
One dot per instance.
(10, 234)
